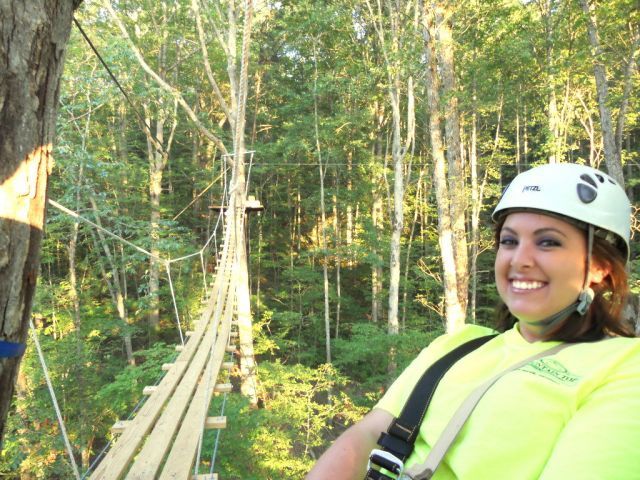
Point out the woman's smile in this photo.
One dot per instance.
(526, 285)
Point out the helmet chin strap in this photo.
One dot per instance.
(582, 304)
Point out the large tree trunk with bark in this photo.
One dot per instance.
(33, 35)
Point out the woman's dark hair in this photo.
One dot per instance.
(604, 316)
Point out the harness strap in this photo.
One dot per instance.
(397, 442)
(426, 470)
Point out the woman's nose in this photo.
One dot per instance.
(522, 256)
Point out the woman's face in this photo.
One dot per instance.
(540, 267)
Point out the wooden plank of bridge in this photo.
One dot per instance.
(149, 459)
(120, 455)
(183, 452)
(215, 423)
(120, 426)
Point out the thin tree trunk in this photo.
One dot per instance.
(350, 222)
(323, 222)
(75, 297)
(614, 166)
(407, 261)
(626, 91)
(338, 260)
(113, 282)
(475, 203)
(376, 268)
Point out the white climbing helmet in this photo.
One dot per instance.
(574, 191)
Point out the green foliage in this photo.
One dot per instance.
(365, 354)
(119, 397)
(302, 408)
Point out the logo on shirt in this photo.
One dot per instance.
(552, 370)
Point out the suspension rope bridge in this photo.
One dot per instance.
(165, 436)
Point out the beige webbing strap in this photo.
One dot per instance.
(426, 470)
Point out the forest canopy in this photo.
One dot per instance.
(379, 136)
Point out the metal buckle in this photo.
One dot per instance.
(386, 460)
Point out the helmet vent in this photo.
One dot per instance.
(600, 177)
(589, 180)
(586, 193)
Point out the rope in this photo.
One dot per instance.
(209, 376)
(215, 445)
(63, 430)
(204, 272)
(197, 197)
(157, 144)
(77, 216)
(249, 170)
(175, 303)
(97, 460)
(166, 263)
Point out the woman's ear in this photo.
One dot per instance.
(598, 272)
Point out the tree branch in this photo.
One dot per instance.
(164, 85)
(207, 66)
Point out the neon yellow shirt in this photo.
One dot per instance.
(572, 415)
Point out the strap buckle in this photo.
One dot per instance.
(387, 460)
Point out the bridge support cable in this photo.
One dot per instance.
(218, 432)
(175, 303)
(63, 430)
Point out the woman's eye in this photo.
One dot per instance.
(508, 241)
(549, 242)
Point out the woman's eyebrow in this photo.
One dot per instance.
(536, 232)
(550, 229)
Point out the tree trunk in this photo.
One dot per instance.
(475, 202)
(323, 221)
(156, 169)
(397, 216)
(116, 282)
(350, 223)
(376, 268)
(35, 35)
(614, 166)
(249, 386)
(454, 311)
(338, 260)
(455, 173)
(626, 91)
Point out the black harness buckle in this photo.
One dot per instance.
(388, 461)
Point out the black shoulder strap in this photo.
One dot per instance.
(399, 438)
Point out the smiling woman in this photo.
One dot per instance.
(563, 367)
(562, 248)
